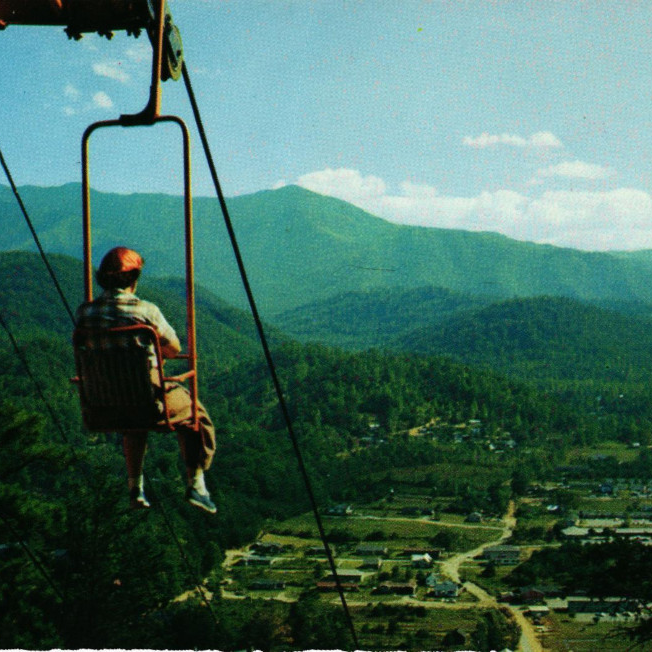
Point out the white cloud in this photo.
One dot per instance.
(140, 51)
(597, 220)
(102, 100)
(576, 170)
(343, 183)
(538, 140)
(71, 91)
(77, 103)
(544, 140)
(112, 70)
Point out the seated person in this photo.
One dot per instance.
(118, 305)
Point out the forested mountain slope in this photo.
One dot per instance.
(109, 578)
(548, 337)
(300, 247)
(33, 307)
(373, 318)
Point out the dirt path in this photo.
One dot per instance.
(451, 567)
(429, 521)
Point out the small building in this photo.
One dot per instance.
(318, 551)
(432, 579)
(372, 551)
(267, 585)
(397, 588)
(531, 595)
(575, 532)
(371, 563)
(587, 605)
(340, 510)
(266, 549)
(346, 575)
(324, 585)
(502, 555)
(256, 560)
(417, 511)
(421, 561)
(473, 517)
(433, 552)
(536, 612)
(444, 589)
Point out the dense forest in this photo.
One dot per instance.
(301, 247)
(78, 569)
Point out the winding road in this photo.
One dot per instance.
(451, 568)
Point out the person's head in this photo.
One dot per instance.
(120, 269)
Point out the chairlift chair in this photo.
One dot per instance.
(115, 382)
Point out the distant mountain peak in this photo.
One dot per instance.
(300, 246)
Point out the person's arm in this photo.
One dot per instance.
(170, 345)
(170, 348)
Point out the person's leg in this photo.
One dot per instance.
(134, 446)
(193, 456)
(197, 447)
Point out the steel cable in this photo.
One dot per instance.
(36, 238)
(29, 373)
(263, 340)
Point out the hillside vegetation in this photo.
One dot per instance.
(300, 247)
(63, 491)
(466, 399)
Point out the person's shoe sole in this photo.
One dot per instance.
(138, 501)
(139, 504)
(196, 499)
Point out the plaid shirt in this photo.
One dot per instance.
(120, 308)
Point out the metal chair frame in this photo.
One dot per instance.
(147, 118)
(119, 387)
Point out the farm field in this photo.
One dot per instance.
(563, 633)
(395, 531)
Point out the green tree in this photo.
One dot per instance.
(316, 625)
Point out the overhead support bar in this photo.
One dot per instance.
(103, 16)
(187, 231)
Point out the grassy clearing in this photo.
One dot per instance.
(479, 472)
(493, 585)
(622, 452)
(382, 626)
(563, 633)
(396, 533)
(618, 505)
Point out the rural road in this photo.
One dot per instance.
(451, 567)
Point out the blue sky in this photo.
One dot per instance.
(532, 119)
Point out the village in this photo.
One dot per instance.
(393, 559)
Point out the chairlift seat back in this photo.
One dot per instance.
(119, 388)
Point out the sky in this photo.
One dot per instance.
(530, 119)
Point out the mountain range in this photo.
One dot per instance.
(300, 248)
